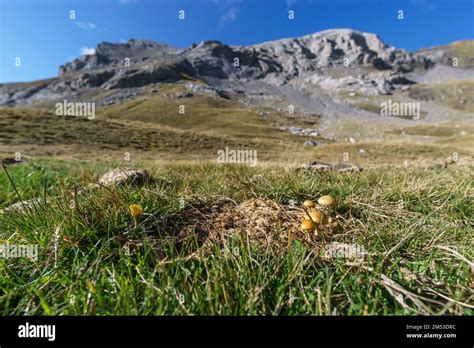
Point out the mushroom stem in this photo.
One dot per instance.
(135, 222)
(307, 213)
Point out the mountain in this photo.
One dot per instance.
(316, 59)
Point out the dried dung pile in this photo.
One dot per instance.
(263, 221)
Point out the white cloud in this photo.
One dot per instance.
(230, 15)
(85, 25)
(87, 51)
(126, 2)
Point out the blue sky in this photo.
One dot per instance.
(41, 33)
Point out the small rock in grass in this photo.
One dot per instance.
(343, 167)
(11, 161)
(120, 176)
(321, 168)
(310, 143)
(23, 206)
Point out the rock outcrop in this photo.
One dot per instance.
(325, 59)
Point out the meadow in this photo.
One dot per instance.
(415, 226)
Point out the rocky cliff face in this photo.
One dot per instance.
(313, 60)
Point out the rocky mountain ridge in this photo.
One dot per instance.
(299, 62)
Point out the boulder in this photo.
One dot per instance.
(23, 206)
(343, 167)
(122, 176)
(327, 167)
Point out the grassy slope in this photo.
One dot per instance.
(455, 94)
(148, 133)
(203, 114)
(463, 51)
(34, 132)
(399, 216)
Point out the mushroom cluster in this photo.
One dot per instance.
(317, 216)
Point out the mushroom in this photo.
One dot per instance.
(326, 201)
(136, 211)
(307, 226)
(308, 204)
(315, 215)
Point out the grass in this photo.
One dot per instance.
(39, 133)
(376, 109)
(463, 51)
(455, 94)
(37, 83)
(202, 114)
(416, 225)
(42, 133)
(404, 218)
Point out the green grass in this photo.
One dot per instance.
(400, 216)
(202, 114)
(455, 94)
(41, 133)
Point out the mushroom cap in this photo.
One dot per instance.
(135, 210)
(308, 203)
(326, 201)
(307, 226)
(315, 215)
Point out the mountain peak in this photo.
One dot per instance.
(298, 61)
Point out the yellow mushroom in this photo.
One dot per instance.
(136, 211)
(326, 201)
(315, 215)
(307, 226)
(308, 204)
